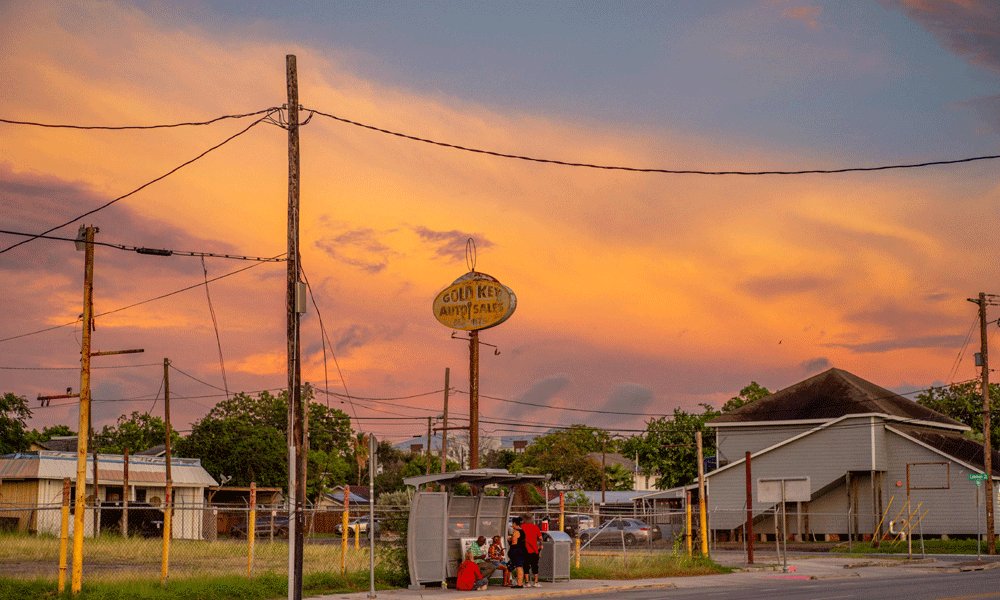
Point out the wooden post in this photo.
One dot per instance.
(125, 497)
(64, 535)
(252, 527)
(345, 518)
(749, 527)
(97, 497)
(703, 517)
(168, 500)
(687, 514)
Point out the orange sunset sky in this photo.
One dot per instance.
(637, 292)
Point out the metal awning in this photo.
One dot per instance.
(476, 477)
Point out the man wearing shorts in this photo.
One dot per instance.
(532, 543)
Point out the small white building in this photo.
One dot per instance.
(31, 489)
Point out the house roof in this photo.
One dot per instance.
(150, 470)
(62, 443)
(832, 394)
(954, 445)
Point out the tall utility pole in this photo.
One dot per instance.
(296, 480)
(444, 430)
(81, 439)
(987, 428)
(474, 399)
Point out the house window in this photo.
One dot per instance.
(140, 495)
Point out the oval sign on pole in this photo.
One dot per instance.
(474, 301)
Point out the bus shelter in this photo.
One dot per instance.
(442, 525)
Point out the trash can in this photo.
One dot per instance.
(553, 563)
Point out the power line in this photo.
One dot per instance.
(191, 287)
(76, 368)
(147, 184)
(132, 127)
(654, 170)
(152, 251)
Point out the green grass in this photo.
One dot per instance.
(643, 566)
(264, 587)
(934, 546)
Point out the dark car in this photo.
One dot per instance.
(263, 527)
(629, 531)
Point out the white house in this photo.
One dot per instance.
(31, 489)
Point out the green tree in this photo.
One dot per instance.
(667, 449)
(964, 403)
(563, 454)
(750, 393)
(14, 413)
(137, 432)
(244, 437)
(47, 433)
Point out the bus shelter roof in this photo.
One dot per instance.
(476, 477)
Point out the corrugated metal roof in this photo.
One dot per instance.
(186, 472)
(831, 394)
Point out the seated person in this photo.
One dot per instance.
(478, 549)
(469, 577)
(496, 559)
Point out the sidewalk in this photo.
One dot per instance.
(820, 566)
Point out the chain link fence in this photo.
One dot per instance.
(207, 541)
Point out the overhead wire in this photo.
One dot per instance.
(565, 163)
(151, 251)
(215, 324)
(143, 186)
(134, 127)
(190, 287)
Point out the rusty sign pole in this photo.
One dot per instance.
(474, 399)
(444, 430)
(125, 497)
(81, 440)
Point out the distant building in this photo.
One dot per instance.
(860, 445)
(31, 487)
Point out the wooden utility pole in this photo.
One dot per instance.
(168, 501)
(703, 517)
(444, 430)
(81, 441)
(296, 479)
(474, 399)
(987, 425)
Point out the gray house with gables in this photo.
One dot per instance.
(862, 448)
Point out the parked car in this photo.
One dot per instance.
(574, 524)
(360, 525)
(632, 531)
(263, 527)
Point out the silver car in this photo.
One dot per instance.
(631, 531)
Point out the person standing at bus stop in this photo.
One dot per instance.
(532, 543)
